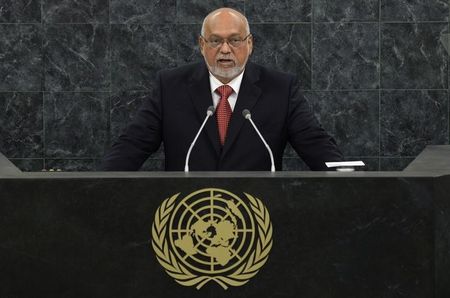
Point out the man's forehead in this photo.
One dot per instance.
(224, 34)
(225, 22)
(227, 35)
(224, 31)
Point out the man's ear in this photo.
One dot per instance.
(250, 44)
(201, 44)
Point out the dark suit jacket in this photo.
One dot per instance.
(175, 112)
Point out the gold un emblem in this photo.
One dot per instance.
(212, 235)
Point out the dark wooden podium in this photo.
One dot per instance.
(359, 234)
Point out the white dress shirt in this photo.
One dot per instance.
(235, 84)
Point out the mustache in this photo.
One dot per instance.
(227, 57)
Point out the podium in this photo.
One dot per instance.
(359, 234)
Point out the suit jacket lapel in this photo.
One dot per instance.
(248, 96)
(200, 93)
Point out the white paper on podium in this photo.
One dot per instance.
(337, 164)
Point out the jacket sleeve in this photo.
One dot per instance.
(140, 139)
(311, 142)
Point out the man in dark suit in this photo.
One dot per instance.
(225, 80)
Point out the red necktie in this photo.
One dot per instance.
(223, 111)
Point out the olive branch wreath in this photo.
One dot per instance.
(237, 278)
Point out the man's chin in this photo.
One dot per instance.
(226, 73)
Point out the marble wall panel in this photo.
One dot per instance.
(193, 11)
(346, 11)
(414, 10)
(394, 163)
(371, 163)
(138, 52)
(345, 56)
(352, 118)
(76, 124)
(20, 11)
(412, 56)
(143, 11)
(77, 58)
(289, 152)
(21, 126)
(285, 47)
(264, 11)
(124, 106)
(292, 162)
(187, 43)
(411, 119)
(28, 164)
(340, 51)
(80, 11)
(70, 165)
(20, 57)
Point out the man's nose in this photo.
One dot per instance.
(225, 47)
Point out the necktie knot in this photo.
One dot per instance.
(224, 91)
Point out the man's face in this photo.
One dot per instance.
(225, 62)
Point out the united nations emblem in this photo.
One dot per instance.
(212, 235)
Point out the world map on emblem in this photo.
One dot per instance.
(212, 231)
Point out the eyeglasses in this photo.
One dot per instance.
(235, 42)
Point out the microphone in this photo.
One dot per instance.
(209, 113)
(248, 116)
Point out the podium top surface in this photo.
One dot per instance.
(434, 161)
(219, 175)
